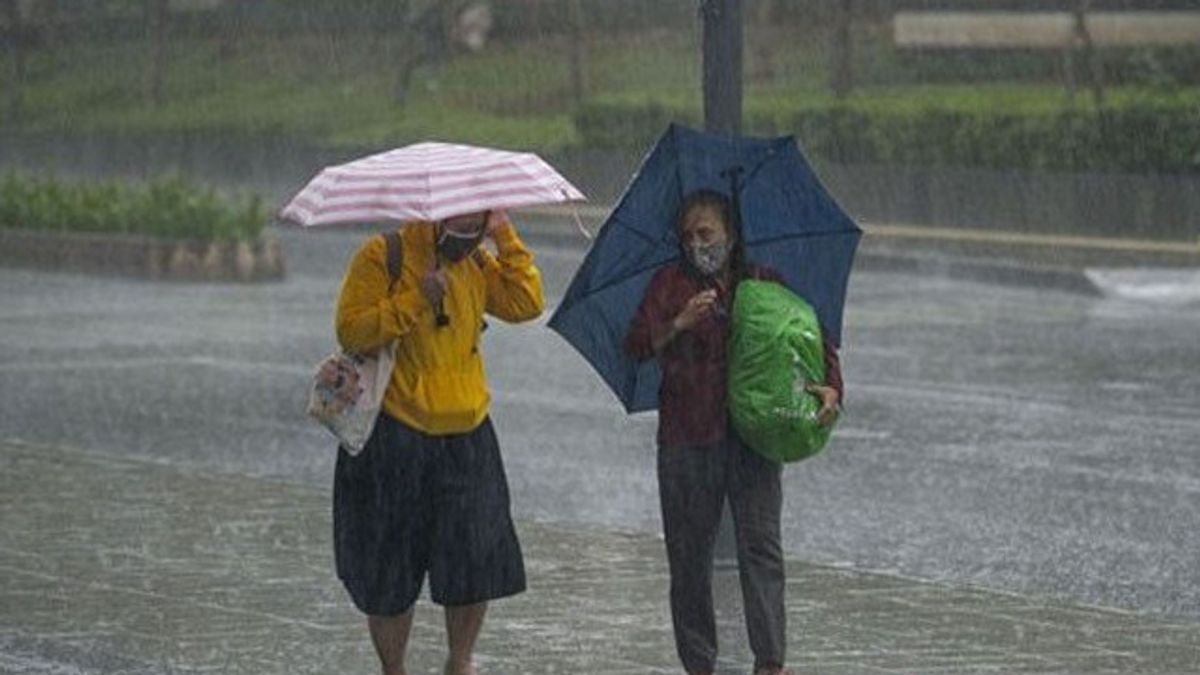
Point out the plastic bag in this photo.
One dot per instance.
(346, 393)
(776, 351)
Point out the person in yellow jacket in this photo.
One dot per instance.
(428, 494)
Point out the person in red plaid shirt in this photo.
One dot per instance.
(683, 322)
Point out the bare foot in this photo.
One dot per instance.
(467, 669)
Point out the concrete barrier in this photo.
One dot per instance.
(1020, 30)
(144, 257)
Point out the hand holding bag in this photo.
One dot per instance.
(776, 351)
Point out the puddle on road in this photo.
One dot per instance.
(1160, 286)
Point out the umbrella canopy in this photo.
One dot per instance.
(788, 221)
(427, 181)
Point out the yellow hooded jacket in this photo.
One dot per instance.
(438, 384)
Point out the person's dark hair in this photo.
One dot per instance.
(711, 199)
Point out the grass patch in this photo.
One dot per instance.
(320, 91)
(339, 90)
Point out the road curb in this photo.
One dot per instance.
(994, 272)
(989, 256)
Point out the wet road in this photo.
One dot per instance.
(1017, 438)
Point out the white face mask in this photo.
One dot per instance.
(711, 258)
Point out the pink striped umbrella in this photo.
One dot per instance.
(427, 181)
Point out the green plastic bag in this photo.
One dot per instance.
(775, 352)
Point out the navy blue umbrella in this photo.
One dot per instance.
(788, 222)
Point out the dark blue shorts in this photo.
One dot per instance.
(411, 504)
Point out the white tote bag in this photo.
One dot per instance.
(347, 391)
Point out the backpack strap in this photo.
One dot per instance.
(395, 257)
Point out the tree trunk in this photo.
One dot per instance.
(408, 36)
(578, 55)
(841, 52)
(426, 37)
(763, 26)
(156, 29)
(1068, 71)
(16, 50)
(49, 21)
(231, 26)
(1091, 56)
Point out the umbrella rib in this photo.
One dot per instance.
(641, 270)
(788, 140)
(802, 235)
(627, 277)
(637, 232)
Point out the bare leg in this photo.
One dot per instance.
(462, 628)
(390, 635)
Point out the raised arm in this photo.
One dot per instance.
(514, 285)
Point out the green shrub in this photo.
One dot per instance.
(619, 124)
(167, 208)
(1005, 129)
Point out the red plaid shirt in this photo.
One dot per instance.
(692, 399)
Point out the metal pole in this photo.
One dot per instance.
(722, 53)
(723, 115)
(723, 48)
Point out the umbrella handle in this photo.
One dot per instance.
(441, 320)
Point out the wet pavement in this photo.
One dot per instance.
(118, 565)
(1019, 439)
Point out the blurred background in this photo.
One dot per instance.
(1031, 116)
(1021, 350)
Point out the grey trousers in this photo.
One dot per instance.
(693, 483)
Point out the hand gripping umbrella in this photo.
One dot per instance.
(427, 182)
